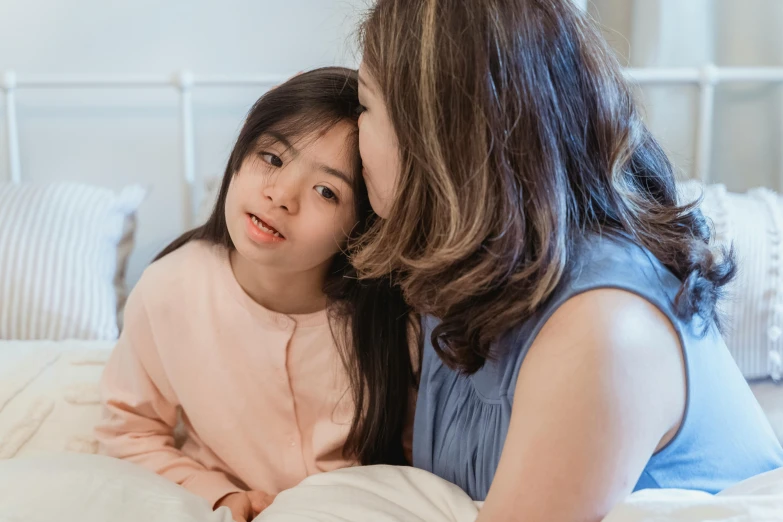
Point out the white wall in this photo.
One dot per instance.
(748, 125)
(749, 116)
(113, 138)
(118, 137)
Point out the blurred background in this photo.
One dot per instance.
(115, 137)
(748, 117)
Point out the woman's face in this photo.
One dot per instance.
(378, 146)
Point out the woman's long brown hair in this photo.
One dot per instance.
(370, 320)
(518, 135)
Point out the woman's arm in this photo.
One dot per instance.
(602, 388)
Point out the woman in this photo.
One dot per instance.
(574, 354)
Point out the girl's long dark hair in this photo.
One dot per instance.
(370, 320)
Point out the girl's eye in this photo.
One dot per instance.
(273, 160)
(326, 193)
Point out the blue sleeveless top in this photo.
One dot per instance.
(461, 421)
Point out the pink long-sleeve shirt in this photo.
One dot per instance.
(264, 397)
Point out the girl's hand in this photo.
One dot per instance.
(239, 504)
(259, 501)
(245, 505)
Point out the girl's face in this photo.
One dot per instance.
(378, 146)
(291, 205)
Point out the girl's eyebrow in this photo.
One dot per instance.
(335, 172)
(282, 139)
(325, 168)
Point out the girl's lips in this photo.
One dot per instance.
(261, 232)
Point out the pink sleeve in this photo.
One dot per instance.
(138, 423)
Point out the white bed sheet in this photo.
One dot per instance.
(49, 403)
(49, 399)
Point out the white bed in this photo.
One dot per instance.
(49, 403)
(89, 488)
(49, 398)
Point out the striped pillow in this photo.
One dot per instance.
(753, 223)
(63, 252)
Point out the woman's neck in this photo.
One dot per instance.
(289, 293)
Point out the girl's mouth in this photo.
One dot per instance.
(264, 229)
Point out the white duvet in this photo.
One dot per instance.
(49, 400)
(49, 403)
(90, 488)
(754, 500)
(389, 494)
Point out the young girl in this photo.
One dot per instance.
(254, 326)
(575, 354)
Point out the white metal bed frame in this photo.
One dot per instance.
(706, 78)
(184, 82)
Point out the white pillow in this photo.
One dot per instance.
(64, 249)
(377, 493)
(92, 488)
(753, 223)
